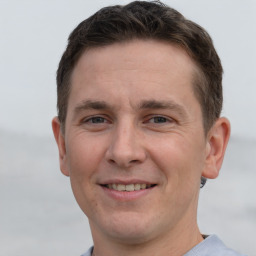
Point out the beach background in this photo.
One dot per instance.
(38, 213)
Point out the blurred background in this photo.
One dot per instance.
(38, 214)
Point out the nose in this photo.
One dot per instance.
(126, 147)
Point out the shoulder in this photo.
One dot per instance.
(89, 252)
(212, 246)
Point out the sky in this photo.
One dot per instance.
(33, 36)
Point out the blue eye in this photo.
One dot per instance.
(96, 120)
(158, 119)
(96, 123)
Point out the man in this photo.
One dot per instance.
(139, 128)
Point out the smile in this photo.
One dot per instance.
(128, 187)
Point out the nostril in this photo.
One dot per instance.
(112, 161)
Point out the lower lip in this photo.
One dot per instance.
(125, 195)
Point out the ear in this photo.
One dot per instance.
(217, 140)
(60, 140)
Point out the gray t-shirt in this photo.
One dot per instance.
(211, 246)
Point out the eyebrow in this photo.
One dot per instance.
(145, 104)
(154, 104)
(91, 104)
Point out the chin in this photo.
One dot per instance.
(131, 235)
(127, 228)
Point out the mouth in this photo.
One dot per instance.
(128, 187)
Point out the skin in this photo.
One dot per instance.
(133, 117)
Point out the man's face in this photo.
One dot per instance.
(133, 121)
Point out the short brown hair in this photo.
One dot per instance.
(146, 20)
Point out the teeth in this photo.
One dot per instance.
(137, 187)
(143, 186)
(121, 187)
(129, 187)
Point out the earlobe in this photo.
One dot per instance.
(59, 138)
(217, 141)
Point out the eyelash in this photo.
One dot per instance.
(90, 120)
(160, 119)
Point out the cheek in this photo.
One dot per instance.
(83, 160)
(83, 156)
(180, 160)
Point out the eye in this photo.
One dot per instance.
(158, 119)
(159, 122)
(95, 123)
(96, 120)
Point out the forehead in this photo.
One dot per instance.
(163, 57)
(148, 67)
